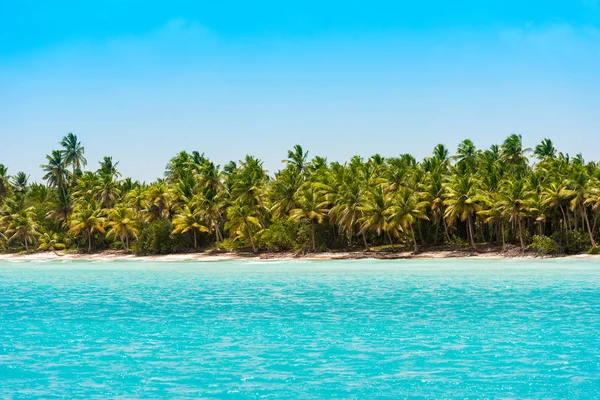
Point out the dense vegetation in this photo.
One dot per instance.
(476, 197)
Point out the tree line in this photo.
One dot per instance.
(506, 195)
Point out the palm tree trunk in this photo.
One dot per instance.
(312, 230)
(89, 241)
(416, 247)
(470, 231)
(446, 230)
(589, 229)
(365, 241)
(520, 232)
(251, 238)
(390, 239)
(126, 241)
(26, 246)
(216, 233)
(195, 239)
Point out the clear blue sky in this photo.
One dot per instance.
(142, 80)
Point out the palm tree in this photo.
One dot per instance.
(73, 152)
(297, 158)
(514, 202)
(4, 182)
(106, 191)
(462, 202)
(312, 206)
(87, 219)
(242, 220)
(109, 168)
(346, 211)
(579, 188)
(57, 174)
(406, 212)
(545, 150)
(283, 192)
(50, 241)
(22, 227)
(159, 201)
(190, 218)
(19, 183)
(122, 225)
(377, 209)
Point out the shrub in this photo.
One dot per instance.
(457, 241)
(230, 244)
(572, 242)
(156, 238)
(544, 245)
(285, 235)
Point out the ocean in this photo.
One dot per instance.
(360, 329)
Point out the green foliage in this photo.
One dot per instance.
(594, 250)
(286, 235)
(157, 238)
(474, 196)
(572, 242)
(231, 244)
(457, 241)
(544, 245)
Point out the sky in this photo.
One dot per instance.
(142, 80)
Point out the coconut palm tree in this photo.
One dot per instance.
(242, 221)
(4, 182)
(297, 158)
(19, 183)
(122, 224)
(514, 199)
(50, 241)
(406, 211)
(57, 174)
(377, 211)
(73, 152)
(462, 202)
(312, 206)
(87, 220)
(22, 227)
(545, 150)
(190, 218)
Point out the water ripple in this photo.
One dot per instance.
(359, 329)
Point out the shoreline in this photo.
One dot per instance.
(283, 256)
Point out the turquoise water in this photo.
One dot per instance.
(301, 330)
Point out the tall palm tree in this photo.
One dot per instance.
(19, 182)
(4, 182)
(87, 219)
(242, 221)
(121, 224)
(190, 218)
(462, 202)
(514, 200)
(377, 210)
(73, 152)
(545, 150)
(22, 227)
(579, 188)
(109, 168)
(57, 174)
(406, 212)
(297, 158)
(312, 206)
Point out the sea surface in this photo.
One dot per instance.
(301, 330)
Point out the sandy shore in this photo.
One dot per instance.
(223, 256)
